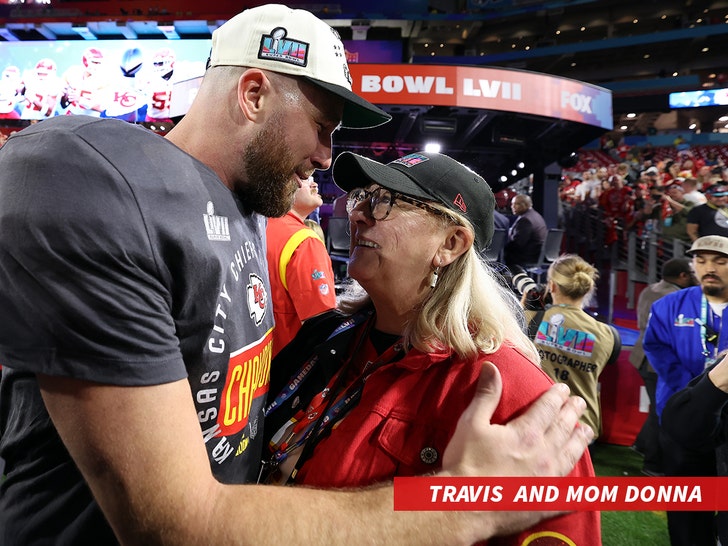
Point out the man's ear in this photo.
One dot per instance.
(457, 242)
(253, 93)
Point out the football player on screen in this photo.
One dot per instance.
(128, 97)
(11, 87)
(86, 85)
(43, 89)
(160, 85)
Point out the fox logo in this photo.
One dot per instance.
(257, 298)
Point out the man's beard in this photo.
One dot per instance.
(714, 290)
(270, 187)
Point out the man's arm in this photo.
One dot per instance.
(660, 353)
(141, 451)
(692, 230)
(694, 416)
(719, 374)
(644, 303)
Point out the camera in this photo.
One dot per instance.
(523, 284)
(536, 296)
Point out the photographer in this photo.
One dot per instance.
(573, 345)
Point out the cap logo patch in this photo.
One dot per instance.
(712, 245)
(276, 47)
(411, 160)
(460, 203)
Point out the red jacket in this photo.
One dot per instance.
(406, 417)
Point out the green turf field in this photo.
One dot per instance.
(627, 528)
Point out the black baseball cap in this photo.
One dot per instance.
(429, 176)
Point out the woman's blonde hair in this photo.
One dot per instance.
(470, 310)
(575, 277)
(316, 227)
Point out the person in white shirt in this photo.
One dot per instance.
(692, 193)
(589, 189)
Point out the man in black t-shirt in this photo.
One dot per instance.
(136, 320)
(712, 217)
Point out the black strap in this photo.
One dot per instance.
(617, 348)
(535, 323)
(711, 335)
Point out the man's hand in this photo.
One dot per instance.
(547, 440)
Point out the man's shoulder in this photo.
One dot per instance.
(702, 207)
(288, 222)
(534, 215)
(111, 139)
(663, 287)
(678, 297)
(78, 143)
(79, 124)
(529, 216)
(280, 230)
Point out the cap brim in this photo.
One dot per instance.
(691, 253)
(358, 113)
(354, 171)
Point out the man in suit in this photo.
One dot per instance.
(526, 235)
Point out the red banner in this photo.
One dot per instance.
(489, 88)
(561, 494)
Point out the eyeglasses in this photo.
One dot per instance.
(381, 201)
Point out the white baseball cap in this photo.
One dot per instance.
(709, 243)
(295, 42)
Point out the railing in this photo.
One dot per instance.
(611, 247)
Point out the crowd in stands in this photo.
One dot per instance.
(667, 199)
(650, 189)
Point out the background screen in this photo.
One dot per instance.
(134, 80)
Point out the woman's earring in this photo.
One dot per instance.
(434, 277)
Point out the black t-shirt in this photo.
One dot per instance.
(125, 261)
(710, 220)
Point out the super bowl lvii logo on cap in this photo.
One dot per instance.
(275, 47)
(411, 160)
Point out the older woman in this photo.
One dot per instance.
(375, 390)
(574, 346)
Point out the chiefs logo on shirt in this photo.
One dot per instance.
(257, 298)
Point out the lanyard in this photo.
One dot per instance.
(346, 401)
(308, 365)
(332, 404)
(705, 335)
(722, 210)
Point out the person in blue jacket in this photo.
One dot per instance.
(684, 331)
(684, 336)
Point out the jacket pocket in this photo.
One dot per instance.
(415, 446)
